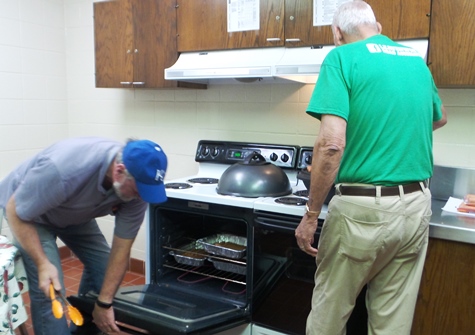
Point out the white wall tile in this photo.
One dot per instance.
(11, 112)
(10, 59)
(54, 39)
(35, 111)
(10, 30)
(32, 35)
(10, 9)
(32, 11)
(35, 86)
(80, 39)
(54, 14)
(10, 86)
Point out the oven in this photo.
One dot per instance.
(195, 286)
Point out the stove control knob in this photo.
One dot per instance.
(205, 151)
(284, 158)
(215, 152)
(308, 160)
(273, 157)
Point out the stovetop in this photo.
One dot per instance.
(215, 157)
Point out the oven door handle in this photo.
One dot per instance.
(282, 226)
(279, 228)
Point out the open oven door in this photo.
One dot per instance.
(164, 310)
(189, 303)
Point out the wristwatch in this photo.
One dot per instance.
(103, 304)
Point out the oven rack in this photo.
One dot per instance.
(208, 270)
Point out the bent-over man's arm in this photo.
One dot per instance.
(116, 269)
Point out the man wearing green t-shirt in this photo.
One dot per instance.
(378, 106)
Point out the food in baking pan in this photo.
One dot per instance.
(229, 266)
(190, 254)
(230, 245)
(225, 245)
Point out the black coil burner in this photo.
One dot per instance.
(203, 180)
(292, 201)
(177, 186)
(302, 193)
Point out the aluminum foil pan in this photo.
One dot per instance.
(192, 254)
(225, 245)
(229, 266)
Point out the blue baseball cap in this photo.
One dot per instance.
(147, 163)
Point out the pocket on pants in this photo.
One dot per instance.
(421, 236)
(361, 241)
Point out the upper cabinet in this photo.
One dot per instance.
(402, 20)
(202, 24)
(135, 40)
(451, 49)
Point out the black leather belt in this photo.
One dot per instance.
(386, 191)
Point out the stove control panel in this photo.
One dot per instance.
(284, 156)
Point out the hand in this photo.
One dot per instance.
(305, 233)
(48, 274)
(104, 319)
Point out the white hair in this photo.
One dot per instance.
(353, 14)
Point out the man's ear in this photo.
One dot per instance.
(120, 168)
(380, 27)
(338, 36)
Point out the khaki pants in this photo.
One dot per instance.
(378, 241)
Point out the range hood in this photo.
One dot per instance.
(279, 64)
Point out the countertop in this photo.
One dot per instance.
(448, 226)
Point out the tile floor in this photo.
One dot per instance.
(72, 269)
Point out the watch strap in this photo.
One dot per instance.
(103, 304)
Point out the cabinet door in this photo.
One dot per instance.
(402, 20)
(203, 25)
(299, 29)
(446, 296)
(271, 32)
(154, 42)
(451, 48)
(113, 39)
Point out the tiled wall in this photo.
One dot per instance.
(47, 92)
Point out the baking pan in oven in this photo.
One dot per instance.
(192, 254)
(225, 245)
(229, 266)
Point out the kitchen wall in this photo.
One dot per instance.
(47, 93)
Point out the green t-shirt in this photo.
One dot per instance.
(386, 94)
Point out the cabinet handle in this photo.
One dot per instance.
(128, 51)
(292, 40)
(138, 83)
(126, 82)
(136, 50)
(277, 17)
(273, 39)
(291, 18)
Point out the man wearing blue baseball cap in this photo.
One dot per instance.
(59, 193)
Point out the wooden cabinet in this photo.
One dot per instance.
(402, 20)
(446, 296)
(202, 24)
(135, 40)
(451, 49)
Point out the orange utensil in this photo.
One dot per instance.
(74, 314)
(56, 306)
